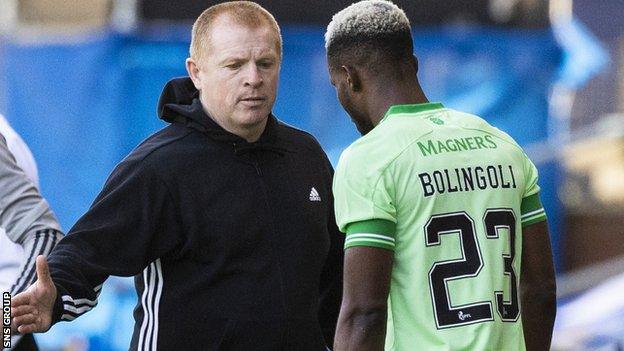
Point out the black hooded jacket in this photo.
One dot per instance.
(233, 245)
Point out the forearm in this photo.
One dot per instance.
(39, 242)
(330, 298)
(78, 280)
(539, 308)
(361, 330)
(538, 288)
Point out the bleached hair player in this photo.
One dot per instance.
(397, 265)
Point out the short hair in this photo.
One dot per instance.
(245, 13)
(367, 31)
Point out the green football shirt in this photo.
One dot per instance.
(449, 194)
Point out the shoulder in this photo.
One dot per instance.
(298, 138)
(506, 146)
(471, 121)
(364, 160)
(376, 151)
(159, 149)
(11, 139)
(306, 152)
(5, 129)
(304, 143)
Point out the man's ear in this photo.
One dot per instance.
(354, 79)
(193, 72)
(415, 63)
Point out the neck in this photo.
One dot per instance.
(252, 133)
(386, 96)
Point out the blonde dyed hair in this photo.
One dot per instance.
(366, 18)
(245, 13)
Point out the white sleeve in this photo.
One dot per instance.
(20, 151)
(23, 211)
(25, 217)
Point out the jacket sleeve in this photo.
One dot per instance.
(25, 217)
(331, 276)
(132, 222)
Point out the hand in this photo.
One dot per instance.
(32, 309)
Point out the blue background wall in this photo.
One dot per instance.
(83, 106)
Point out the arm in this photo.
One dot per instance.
(133, 221)
(365, 212)
(537, 287)
(25, 216)
(362, 320)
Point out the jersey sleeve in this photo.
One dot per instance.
(25, 217)
(531, 209)
(20, 151)
(23, 212)
(364, 204)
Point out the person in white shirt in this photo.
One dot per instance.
(28, 228)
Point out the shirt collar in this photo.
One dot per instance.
(413, 108)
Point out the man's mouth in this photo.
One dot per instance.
(253, 100)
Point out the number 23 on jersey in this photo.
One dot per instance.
(448, 315)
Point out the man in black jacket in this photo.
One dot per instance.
(224, 217)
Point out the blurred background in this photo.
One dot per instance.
(80, 79)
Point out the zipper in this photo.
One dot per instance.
(257, 167)
(274, 252)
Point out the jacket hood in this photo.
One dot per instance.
(179, 101)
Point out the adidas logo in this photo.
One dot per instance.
(314, 195)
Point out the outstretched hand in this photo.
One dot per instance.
(31, 310)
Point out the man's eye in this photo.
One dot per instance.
(265, 64)
(233, 65)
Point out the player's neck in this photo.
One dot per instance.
(395, 94)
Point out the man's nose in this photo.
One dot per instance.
(253, 77)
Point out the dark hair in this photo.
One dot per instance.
(372, 50)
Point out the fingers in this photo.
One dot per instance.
(22, 310)
(26, 319)
(28, 329)
(20, 299)
(19, 307)
(43, 271)
(14, 328)
(15, 323)
(28, 323)
(22, 315)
